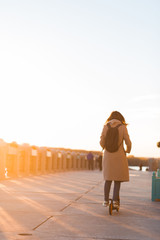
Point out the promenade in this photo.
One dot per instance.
(68, 206)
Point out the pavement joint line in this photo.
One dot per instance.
(93, 187)
(80, 196)
(61, 210)
(41, 223)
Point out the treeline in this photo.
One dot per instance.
(137, 161)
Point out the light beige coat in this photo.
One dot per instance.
(115, 165)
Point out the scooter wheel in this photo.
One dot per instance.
(110, 208)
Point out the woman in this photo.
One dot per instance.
(115, 164)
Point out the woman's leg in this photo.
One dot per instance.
(116, 190)
(107, 187)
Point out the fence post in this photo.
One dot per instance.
(56, 161)
(68, 161)
(12, 160)
(73, 161)
(83, 161)
(42, 160)
(53, 152)
(64, 161)
(34, 160)
(59, 161)
(24, 159)
(48, 160)
(78, 161)
(3, 150)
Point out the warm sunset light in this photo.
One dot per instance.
(66, 65)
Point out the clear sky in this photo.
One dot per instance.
(65, 65)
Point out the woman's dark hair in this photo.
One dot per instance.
(117, 115)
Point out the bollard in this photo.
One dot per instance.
(94, 162)
(84, 161)
(45, 160)
(156, 186)
(78, 161)
(48, 160)
(34, 160)
(24, 159)
(54, 156)
(97, 162)
(3, 150)
(21, 154)
(55, 164)
(59, 161)
(12, 160)
(81, 161)
(64, 161)
(42, 160)
(74, 159)
(68, 161)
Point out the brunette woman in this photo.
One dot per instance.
(115, 164)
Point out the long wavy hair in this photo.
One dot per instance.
(117, 115)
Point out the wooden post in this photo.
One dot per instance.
(59, 161)
(24, 159)
(42, 160)
(64, 160)
(48, 160)
(74, 158)
(12, 161)
(56, 161)
(82, 161)
(68, 161)
(53, 152)
(3, 151)
(34, 160)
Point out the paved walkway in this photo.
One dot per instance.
(68, 206)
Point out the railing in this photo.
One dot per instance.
(24, 160)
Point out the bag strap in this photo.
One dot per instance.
(122, 139)
(118, 125)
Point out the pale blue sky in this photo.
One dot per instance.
(65, 65)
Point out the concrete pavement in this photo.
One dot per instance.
(68, 206)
